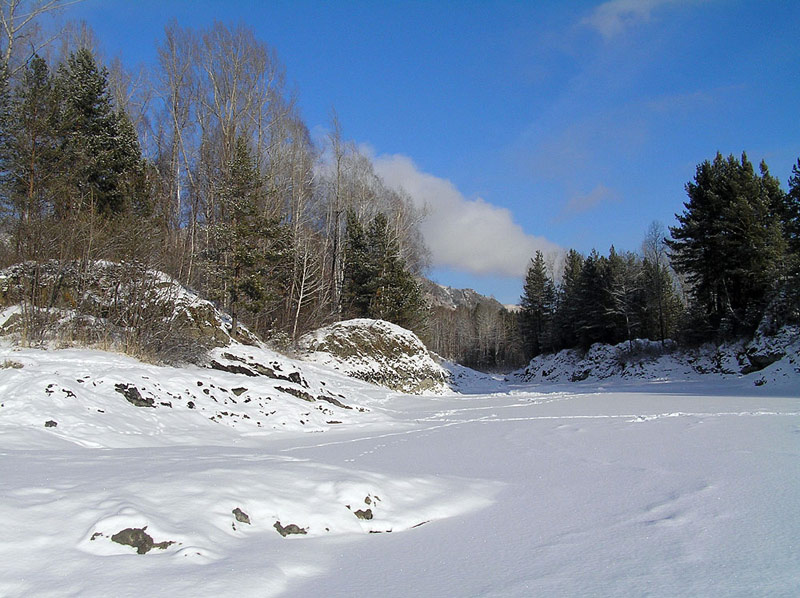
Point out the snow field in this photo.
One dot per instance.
(616, 487)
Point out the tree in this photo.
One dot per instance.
(624, 278)
(728, 242)
(17, 24)
(376, 282)
(568, 301)
(104, 167)
(538, 304)
(246, 253)
(32, 164)
(593, 302)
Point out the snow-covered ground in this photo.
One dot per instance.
(618, 487)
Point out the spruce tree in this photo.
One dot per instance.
(594, 302)
(729, 243)
(246, 251)
(377, 283)
(568, 301)
(33, 162)
(103, 159)
(538, 305)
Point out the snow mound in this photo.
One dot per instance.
(98, 399)
(766, 359)
(378, 352)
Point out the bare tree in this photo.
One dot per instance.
(18, 20)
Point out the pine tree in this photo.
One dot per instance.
(789, 211)
(594, 302)
(729, 242)
(377, 284)
(33, 163)
(538, 306)
(246, 252)
(5, 135)
(104, 166)
(568, 301)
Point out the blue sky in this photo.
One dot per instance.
(522, 125)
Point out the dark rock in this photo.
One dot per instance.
(333, 401)
(233, 369)
(580, 376)
(50, 423)
(139, 539)
(366, 514)
(239, 391)
(241, 516)
(190, 404)
(300, 394)
(132, 395)
(759, 361)
(289, 529)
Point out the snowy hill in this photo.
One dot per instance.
(773, 360)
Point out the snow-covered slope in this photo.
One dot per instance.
(773, 360)
(376, 351)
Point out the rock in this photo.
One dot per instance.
(132, 395)
(50, 423)
(759, 361)
(376, 351)
(239, 390)
(365, 514)
(300, 394)
(289, 529)
(139, 539)
(241, 516)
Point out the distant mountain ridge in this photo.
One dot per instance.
(438, 295)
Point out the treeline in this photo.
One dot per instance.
(200, 166)
(730, 264)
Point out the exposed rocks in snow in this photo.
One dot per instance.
(378, 352)
(290, 529)
(123, 305)
(50, 423)
(241, 516)
(133, 396)
(364, 514)
(777, 355)
(139, 539)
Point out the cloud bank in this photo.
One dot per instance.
(470, 235)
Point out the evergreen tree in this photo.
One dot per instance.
(538, 305)
(33, 162)
(661, 308)
(377, 283)
(789, 211)
(594, 302)
(104, 167)
(729, 242)
(246, 252)
(568, 301)
(360, 271)
(5, 134)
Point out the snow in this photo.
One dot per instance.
(677, 485)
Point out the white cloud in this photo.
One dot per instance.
(469, 235)
(613, 17)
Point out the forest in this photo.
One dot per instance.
(202, 167)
